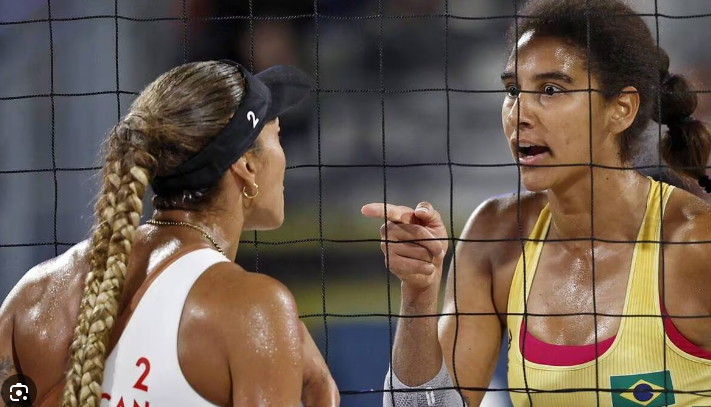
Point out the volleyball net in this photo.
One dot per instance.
(405, 108)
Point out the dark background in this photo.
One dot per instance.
(347, 125)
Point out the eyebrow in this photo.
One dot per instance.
(552, 75)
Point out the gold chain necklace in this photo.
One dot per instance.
(206, 235)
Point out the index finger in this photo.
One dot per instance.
(395, 213)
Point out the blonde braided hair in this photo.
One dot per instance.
(99, 253)
(172, 119)
(125, 178)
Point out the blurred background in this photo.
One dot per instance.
(349, 127)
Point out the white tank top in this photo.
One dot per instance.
(143, 369)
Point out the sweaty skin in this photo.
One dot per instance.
(240, 339)
(485, 264)
(222, 302)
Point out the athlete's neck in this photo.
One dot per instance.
(618, 202)
(224, 229)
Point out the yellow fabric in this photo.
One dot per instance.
(636, 358)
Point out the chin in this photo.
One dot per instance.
(535, 180)
(274, 223)
(271, 225)
(265, 221)
(278, 222)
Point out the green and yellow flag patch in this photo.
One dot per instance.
(645, 389)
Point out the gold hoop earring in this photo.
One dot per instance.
(248, 196)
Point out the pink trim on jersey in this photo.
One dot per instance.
(544, 353)
(680, 340)
(549, 354)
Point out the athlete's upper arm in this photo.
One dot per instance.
(687, 265)
(476, 338)
(263, 344)
(7, 352)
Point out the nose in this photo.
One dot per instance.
(521, 115)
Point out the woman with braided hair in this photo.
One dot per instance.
(160, 314)
(597, 312)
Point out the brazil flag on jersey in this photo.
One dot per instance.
(646, 389)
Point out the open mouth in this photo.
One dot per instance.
(529, 150)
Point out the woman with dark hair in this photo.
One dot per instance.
(596, 310)
(160, 314)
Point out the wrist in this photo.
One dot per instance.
(421, 300)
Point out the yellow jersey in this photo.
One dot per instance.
(642, 366)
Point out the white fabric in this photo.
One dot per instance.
(425, 395)
(152, 335)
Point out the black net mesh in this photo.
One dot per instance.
(317, 19)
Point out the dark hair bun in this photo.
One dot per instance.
(677, 100)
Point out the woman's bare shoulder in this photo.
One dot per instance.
(505, 217)
(228, 279)
(234, 302)
(491, 240)
(687, 218)
(56, 275)
(687, 231)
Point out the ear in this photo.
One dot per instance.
(245, 169)
(624, 109)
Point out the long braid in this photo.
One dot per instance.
(126, 175)
(99, 254)
(172, 119)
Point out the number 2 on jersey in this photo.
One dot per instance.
(139, 384)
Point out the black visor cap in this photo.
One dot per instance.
(268, 95)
